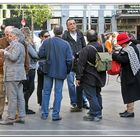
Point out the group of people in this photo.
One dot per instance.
(18, 64)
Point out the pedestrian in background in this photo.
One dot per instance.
(128, 57)
(29, 84)
(108, 43)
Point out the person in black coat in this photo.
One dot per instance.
(128, 57)
(76, 40)
(89, 78)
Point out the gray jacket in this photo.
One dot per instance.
(14, 62)
(33, 56)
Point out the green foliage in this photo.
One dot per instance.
(16, 21)
(40, 13)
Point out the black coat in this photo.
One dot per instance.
(86, 73)
(129, 85)
(76, 46)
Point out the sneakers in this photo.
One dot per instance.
(57, 119)
(76, 109)
(19, 120)
(73, 105)
(91, 118)
(29, 111)
(99, 116)
(127, 114)
(44, 117)
(7, 122)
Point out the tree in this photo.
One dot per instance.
(38, 13)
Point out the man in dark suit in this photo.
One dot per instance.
(77, 42)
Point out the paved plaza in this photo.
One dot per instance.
(72, 124)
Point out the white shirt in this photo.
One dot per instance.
(74, 35)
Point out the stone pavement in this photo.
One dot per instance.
(72, 124)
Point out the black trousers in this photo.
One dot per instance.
(79, 96)
(40, 80)
(29, 86)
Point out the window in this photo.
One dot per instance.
(4, 13)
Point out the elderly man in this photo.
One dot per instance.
(89, 78)
(60, 58)
(14, 70)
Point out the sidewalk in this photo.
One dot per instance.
(72, 124)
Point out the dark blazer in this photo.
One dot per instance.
(76, 46)
(129, 85)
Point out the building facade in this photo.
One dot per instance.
(100, 17)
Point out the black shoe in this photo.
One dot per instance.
(127, 115)
(91, 118)
(0, 117)
(21, 121)
(58, 119)
(100, 116)
(73, 105)
(86, 106)
(88, 118)
(28, 111)
(122, 112)
(76, 109)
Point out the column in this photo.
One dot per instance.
(101, 21)
(84, 19)
(113, 20)
(64, 15)
(89, 17)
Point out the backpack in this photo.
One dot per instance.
(102, 62)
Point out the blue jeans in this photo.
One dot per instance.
(71, 87)
(85, 101)
(47, 88)
(95, 100)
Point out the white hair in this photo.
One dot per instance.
(18, 33)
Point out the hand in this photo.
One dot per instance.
(1, 51)
(78, 82)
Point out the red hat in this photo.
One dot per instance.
(122, 38)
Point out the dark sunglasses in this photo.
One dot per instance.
(46, 36)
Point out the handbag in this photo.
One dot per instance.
(44, 65)
(115, 68)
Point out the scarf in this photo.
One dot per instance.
(133, 58)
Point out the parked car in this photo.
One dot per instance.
(36, 39)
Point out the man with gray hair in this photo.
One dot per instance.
(14, 71)
(60, 62)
